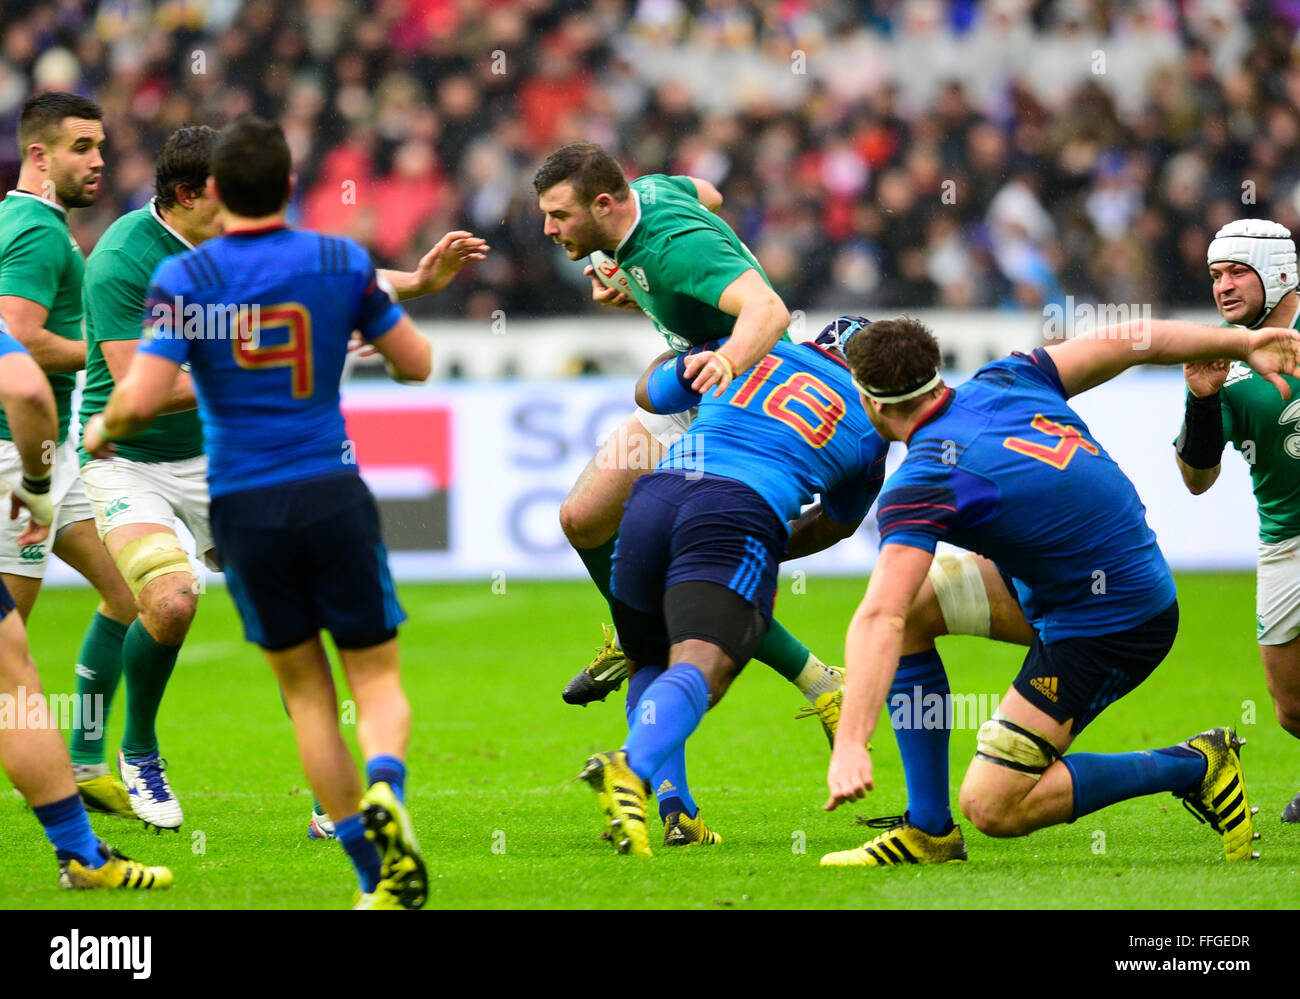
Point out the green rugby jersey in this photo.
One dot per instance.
(117, 281)
(1266, 430)
(679, 257)
(41, 262)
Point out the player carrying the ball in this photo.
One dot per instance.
(297, 529)
(688, 272)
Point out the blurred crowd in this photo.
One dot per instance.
(872, 154)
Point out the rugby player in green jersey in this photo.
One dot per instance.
(41, 267)
(160, 474)
(1253, 269)
(695, 280)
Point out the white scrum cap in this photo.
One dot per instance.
(1266, 248)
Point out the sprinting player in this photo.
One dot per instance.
(984, 462)
(296, 527)
(696, 281)
(60, 136)
(34, 756)
(161, 474)
(695, 567)
(1253, 270)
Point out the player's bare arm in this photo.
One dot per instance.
(28, 402)
(26, 322)
(872, 648)
(408, 355)
(137, 400)
(761, 320)
(1088, 361)
(439, 267)
(709, 195)
(118, 355)
(815, 531)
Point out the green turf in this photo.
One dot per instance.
(494, 751)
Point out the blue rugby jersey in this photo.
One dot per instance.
(789, 428)
(1004, 467)
(269, 401)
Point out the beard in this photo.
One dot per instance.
(72, 192)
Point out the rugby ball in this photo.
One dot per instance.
(609, 273)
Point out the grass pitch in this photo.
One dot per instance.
(494, 750)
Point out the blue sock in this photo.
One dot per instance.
(920, 715)
(666, 715)
(1101, 779)
(69, 830)
(391, 771)
(669, 781)
(362, 852)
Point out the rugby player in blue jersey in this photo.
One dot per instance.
(31, 752)
(695, 564)
(263, 315)
(1003, 467)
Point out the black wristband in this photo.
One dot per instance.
(37, 487)
(1200, 444)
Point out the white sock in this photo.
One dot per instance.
(816, 678)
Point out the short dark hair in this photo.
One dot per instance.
(42, 116)
(251, 165)
(184, 160)
(587, 167)
(893, 355)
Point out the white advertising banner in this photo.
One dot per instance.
(470, 476)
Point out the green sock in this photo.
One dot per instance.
(598, 562)
(99, 666)
(148, 666)
(783, 652)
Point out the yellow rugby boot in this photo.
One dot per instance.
(117, 871)
(603, 675)
(1220, 797)
(388, 826)
(901, 843)
(621, 795)
(682, 830)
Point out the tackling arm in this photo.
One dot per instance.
(33, 420)
(816, 531)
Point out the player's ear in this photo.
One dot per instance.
(602, 204)
(211, 187)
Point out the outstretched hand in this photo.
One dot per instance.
(441, 264)
(1274, 352)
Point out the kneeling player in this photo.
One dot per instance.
(34, 756)
(297, 528)
(695, 566)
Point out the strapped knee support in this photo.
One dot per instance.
(1016, 747)
(959, 588)
(146, 558)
